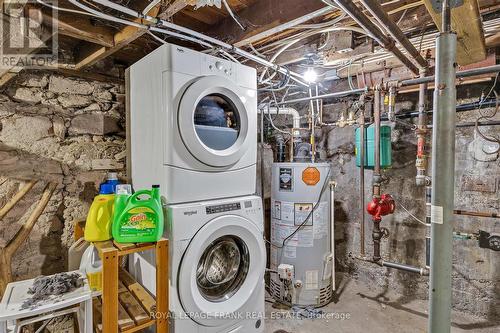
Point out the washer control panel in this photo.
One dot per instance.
(223, 208)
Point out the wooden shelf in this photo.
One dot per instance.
(124, 305)
(134, 307)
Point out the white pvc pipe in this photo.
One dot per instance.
(287, 111)
(332, 231)
(150, 6)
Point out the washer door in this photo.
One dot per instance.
(220, 270)
(213, 121)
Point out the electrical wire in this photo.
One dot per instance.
(65, 9)
(138, 25)
(325, 185)
(416, 218)
(255, 51)
(484, 116)
(226, 5)
(183, 33)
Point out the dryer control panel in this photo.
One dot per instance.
(223, 208)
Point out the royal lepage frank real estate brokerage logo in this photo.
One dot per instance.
(29, 34)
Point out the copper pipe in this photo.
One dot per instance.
(362, 180)
(478, 214)
(421, 159)
(376, 232)
(377, 237)
(376, 116)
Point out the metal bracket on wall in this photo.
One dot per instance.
(437, 5)
(489, 241)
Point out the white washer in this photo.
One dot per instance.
(217, 262)
(193, 125)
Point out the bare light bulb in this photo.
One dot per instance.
(310, 75)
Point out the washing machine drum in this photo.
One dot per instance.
(213, 121)
(221, 269)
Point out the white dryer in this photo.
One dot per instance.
(217, 263)
(193, 125)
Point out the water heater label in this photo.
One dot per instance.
(286, 179)
(312, 280)
(276, 210)
(306, 237)
(287, 212)
(280, 231)
(437, 214)
(303, 211)
(290, 252)
(320, 221)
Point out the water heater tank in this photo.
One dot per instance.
(300, 234)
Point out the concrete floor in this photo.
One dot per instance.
(361, 309)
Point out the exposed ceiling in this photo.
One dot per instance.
(89, 44)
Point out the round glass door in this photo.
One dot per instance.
(216, 121)
(213, 121)
(222, 268)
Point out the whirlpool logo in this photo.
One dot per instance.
(191, 212)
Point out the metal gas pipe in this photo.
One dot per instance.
(421, 131)
(381, 204)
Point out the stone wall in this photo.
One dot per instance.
(476, 271)
(60, 129)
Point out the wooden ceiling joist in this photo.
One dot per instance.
(128, 34)
(81, 28)
(124, 37)
(263, 16)
(466, 22)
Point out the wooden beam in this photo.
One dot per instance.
(124, 37)
(13, 7)
(176, 7)
(466, 22)
(264, 15)
(6, 77)
(81, 28)
(89, 56)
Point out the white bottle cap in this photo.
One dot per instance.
(112, 176)
(124, 189)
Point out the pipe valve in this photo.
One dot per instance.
(381, 206)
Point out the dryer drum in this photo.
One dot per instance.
(222, 268)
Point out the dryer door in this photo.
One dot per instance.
(213, 121)
(220, 270)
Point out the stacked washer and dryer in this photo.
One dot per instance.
(193, 129)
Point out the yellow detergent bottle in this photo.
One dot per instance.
(100, 216)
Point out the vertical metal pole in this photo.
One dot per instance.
(443, 184)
